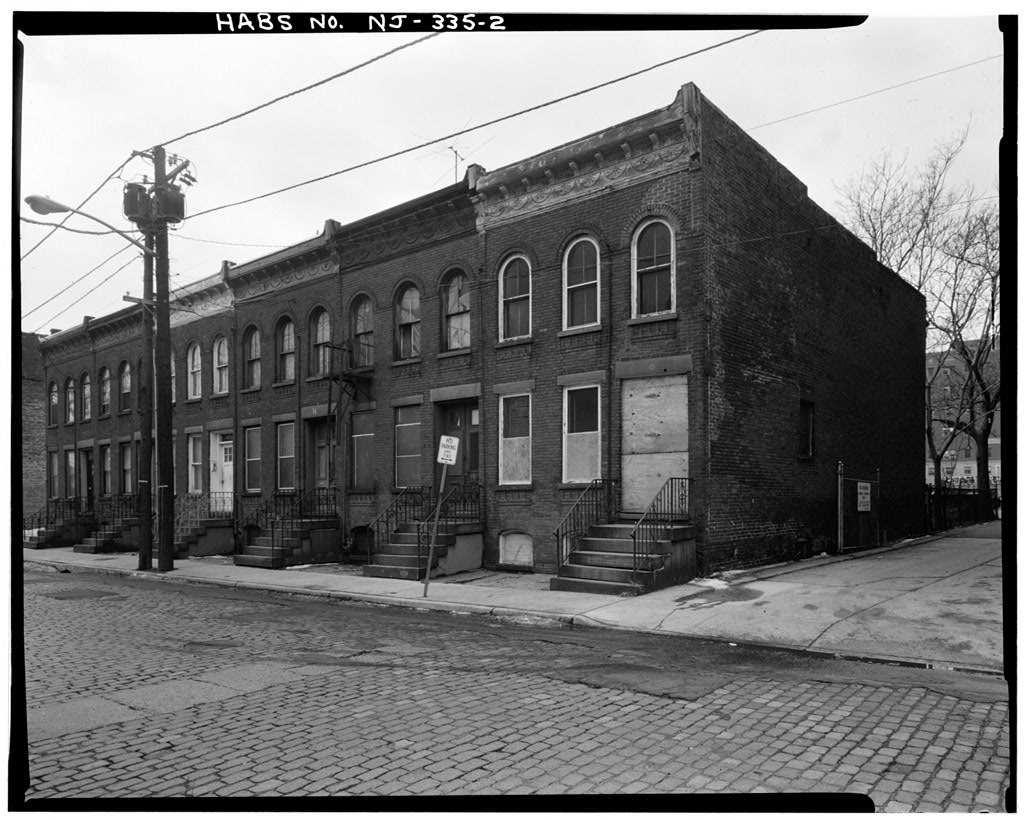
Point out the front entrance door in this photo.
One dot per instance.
(462, 420)
(655, 437)
(87, 481)
(318, 454)
(222, 471)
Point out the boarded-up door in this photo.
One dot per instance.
(655, 437)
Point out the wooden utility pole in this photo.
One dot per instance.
(146, 413)
(165, 484)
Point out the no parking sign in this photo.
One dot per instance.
(448, 450)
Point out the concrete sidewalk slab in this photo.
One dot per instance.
(937, 601)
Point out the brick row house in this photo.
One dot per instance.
(653, 349)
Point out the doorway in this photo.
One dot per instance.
(319, 454)
(655, 437)
(460, 419)
(222, 471)
(87, 480)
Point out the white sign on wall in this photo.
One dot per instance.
(863, 496)
(448, 449)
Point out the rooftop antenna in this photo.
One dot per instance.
(458, 156)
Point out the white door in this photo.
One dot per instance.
(655, 437)
(222, 471)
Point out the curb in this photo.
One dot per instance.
(582, 620)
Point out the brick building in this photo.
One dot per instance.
(650, 319)
(33, 425)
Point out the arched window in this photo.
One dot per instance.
(194, 362)
(251, 346)
(582, 278)
(455, 298)
(124, 383)
(320, 349)
(654, 259)
(514, 297)
(86, 397)
(220, 365)
(362, 332)
(69, 401)
(104, 392)
(285, 351)
(53, 415)
(407, 342)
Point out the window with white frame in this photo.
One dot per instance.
(582, 277)
(362, 452)
(581, 441)
(514, 299)
(69, 401)
(285, 341)
(195, 462)
(220, 365)
(126, 469)
(514, 445)
(251, 346)
(653, 270)
(362, 332)
(194, 361)
(70, 483)
(104, 392)
(253, 458)
(125, 387)
(286, 456)
(407, 328)
(455, 299)
(320, 349)
(86, 397)
(408, 447)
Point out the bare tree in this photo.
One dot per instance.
(945, 242)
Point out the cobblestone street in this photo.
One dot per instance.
(140, 688)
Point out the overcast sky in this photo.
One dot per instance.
(89, 101)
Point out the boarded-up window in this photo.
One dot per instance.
(362, 452)
(514, 445)
(516, 549)
(582, 439)
(407, 446)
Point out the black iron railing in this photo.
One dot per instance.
(317, 504)
(957, 504)
(670, 506)
(597, 504)
(54, 513)
(411, 504)
(439, 518)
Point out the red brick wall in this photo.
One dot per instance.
(32, 438)
(801, 309)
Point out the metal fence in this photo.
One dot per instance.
(958, 504)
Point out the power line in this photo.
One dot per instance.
(459, 133)
(299, 90)
(75, 282)
(91, 290)
(877, 91)
(81, 205)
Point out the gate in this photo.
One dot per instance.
(859, 502)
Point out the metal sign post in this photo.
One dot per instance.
(446, 453)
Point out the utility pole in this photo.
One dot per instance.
(164, 455)
(146, 413)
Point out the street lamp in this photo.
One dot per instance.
(45, 205)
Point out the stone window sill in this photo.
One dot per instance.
(654, 317)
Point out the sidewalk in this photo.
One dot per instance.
(931, 602)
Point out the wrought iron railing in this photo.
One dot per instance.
(597, 504)
(957, 504)
(319, 503)
(55, 512)
(670, 506)
(410, 504)
(192, 509)
(114, 511)
(439, 517)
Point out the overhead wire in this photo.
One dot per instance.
(452, 135)
(75, 282)
(88, 292)
(299, 90)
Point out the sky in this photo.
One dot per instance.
(89, 101)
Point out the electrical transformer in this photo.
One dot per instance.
(136, 202)
(170, 204)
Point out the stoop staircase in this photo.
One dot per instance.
(296, 529)
(604, 552)
(403, 556)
